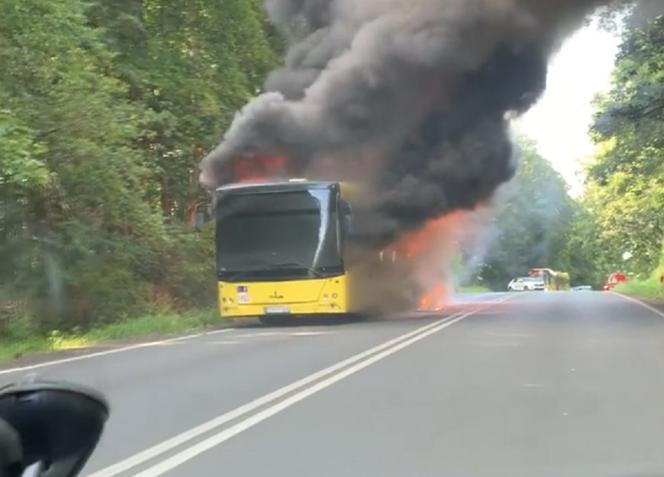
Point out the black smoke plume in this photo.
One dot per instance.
(412, 97)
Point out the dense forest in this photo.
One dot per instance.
(106, 109)
(619, 224)
(529, 223)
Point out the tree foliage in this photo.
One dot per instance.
(105, 111)
(619, 223)
(625, 190)
(530, 222)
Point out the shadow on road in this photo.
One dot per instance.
(335, 320)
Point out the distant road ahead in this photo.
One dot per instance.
(533, 384)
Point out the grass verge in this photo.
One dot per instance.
(156, 324)
(650, 288)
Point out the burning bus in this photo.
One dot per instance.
(279, 249)
(295, 248)
(299, 247)
(425, 124)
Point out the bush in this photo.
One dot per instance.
(189, 271)
(16, 320)
(648, 288)
(103, 290)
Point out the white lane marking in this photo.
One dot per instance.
(182, 438)
(216, 439)
(263, 334)
(218, 332)
(310, 333)
(639, 302)
(110, 351)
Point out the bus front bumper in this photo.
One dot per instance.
(299, 297)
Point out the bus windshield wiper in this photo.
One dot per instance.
(249, 273)
(233, 275)
(294, 265)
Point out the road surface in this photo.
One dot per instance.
(532, 384)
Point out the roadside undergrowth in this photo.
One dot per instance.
(150, 325)
(650, 288)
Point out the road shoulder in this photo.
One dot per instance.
(654, 305)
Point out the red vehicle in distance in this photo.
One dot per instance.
(613, 280)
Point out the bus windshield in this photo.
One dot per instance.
(278, 235)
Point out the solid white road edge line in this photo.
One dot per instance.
(226, 434)
(111, 351)
(186, 436)
(645, 305)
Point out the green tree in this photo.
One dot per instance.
(530, 223)
(106, 109)
(82, 229)
(619, 225)
(578, 255)
(626, 180)
(193, 64)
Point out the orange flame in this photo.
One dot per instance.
(429, 251)
(260, 168)
(436, 233)
(435, 298)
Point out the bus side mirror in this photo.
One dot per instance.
(348, 224)
(57, 425)
(346, 216)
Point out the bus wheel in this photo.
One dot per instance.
(274, 320)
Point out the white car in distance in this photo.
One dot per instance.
(526, 284)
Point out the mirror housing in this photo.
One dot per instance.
(11, 452)
(346, 213)
(58, 424)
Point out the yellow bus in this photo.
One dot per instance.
(281, 251)
(553, 280)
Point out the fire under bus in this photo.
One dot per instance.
(282, 251)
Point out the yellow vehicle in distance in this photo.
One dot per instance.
(280, 251)
(553, 280)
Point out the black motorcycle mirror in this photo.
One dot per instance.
(54, 427)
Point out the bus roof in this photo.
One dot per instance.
(277, 186)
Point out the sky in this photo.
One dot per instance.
(559, 122)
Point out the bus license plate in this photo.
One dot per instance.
(277, 310)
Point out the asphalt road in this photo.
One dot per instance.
(532, 384)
